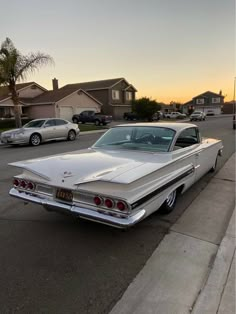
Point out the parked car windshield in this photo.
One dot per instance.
(34, 124)
(197, 112)
(144, 138)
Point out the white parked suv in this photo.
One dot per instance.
(197, 116)
(175, 115)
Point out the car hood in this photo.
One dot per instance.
(94, 165)
(20, 130)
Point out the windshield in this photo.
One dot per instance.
(197, 112)
(34, 124)
(144, 138)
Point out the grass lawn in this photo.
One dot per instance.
(90, 127)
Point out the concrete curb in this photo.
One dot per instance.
(211, 295)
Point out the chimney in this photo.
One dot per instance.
(54, 84)
(220, 93)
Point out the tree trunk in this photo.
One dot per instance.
(15, 100)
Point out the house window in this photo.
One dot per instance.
(128, 95)
(216, 100)
(200, 101)
(115, 94)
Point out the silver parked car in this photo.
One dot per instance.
(41, 130)
(197, 116)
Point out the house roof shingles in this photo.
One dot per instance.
(4, 91)
(56, 95)
(207, 93)
(53, 96)
(93, 85)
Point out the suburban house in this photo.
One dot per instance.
(205, 102)
(62, 103)
(116, 95)
(112, 96)
(26, 91)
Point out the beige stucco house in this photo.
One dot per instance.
(26, 91)
(38, 102)
(112, 96)
(62, 104)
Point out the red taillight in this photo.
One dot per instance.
(121, 205)
(23, 184)
(30, 186)
(16, 182)
(109, 203)
(97, 200)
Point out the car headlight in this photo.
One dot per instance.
(15, 134)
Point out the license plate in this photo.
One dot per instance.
(64, 195)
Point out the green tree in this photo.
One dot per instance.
(145, 107)
(14, 67)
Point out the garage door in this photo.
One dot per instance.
(66, 113)
(80, 109)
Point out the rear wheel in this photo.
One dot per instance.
(169, 204)
(35, 139)
(71, 135)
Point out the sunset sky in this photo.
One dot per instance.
(170, 50)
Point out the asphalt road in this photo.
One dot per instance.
(50, 263)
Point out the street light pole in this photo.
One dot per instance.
(234, 122)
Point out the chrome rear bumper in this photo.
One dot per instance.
(84, 213)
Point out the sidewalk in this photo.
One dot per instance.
(193, 268)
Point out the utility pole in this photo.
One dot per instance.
(234, 113)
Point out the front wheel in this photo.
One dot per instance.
(75, 120)
(71, 135)
(169, 204)
(213, 168)
(97, 122)
(35, 139)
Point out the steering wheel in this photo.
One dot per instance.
(146, 138)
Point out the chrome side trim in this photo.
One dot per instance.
(84, 213)
(149, 196)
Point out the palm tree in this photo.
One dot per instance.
(14, 67)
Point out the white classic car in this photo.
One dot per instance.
(129, 173)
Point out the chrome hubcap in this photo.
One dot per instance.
(71, 135)
(35, 140)
(171, 199)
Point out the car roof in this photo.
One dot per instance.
(174, 126)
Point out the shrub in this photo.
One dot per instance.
(10, 123)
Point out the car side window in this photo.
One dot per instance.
(187, 138)
(60, 122)
(50, 123)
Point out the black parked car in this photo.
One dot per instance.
(130, 116)
(92, 117)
